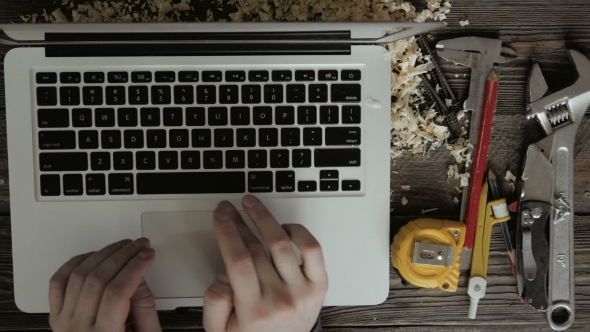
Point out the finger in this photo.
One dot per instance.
(276, 238)
(143, 310)
(78, 276)
(116, 299)
(264, 268)
(218, 305)
(238, 261)
(98, 279)
(312, 256)
(59, 281)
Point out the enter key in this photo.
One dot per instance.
(343, 136)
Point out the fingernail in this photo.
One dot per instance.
(146, 253)
(250, 201)
(221, 214)
(142, 242)
(226, 206)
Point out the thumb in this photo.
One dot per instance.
(143, 310)
(218, 305)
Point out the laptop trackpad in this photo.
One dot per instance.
(187, 256)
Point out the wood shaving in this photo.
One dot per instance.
(509, 176)
(460, 114)
(464, 23)
(404, 201)
(373, 103)
(405, 187)
(587, 194)
(453, 173)
(456, 200)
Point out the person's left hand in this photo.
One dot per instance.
(98, 291)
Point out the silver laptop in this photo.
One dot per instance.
(127, 130)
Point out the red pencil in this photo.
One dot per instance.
(480, 158)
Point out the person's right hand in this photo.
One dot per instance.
(262, 293)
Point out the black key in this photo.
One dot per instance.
(351, 185)
(178, 138)
(53, 118)
(329, 115)
(57, 140)
(94, 77)
(240, 116)
(296, 93)
(318, 93)
(351, 114)
(304, 186)
(121, 184)
(100, 161)
(195, 116)
(342, 93)
(282, 75)
(183, 94)
(235, 159)
(141, 77)
(328, 75)
(343, 136)
(284, 115)
(123, 161)
(328, 185)
(88, 139)
(351, 75)
(257, 159)
(73, 185)
(260, 182)
(279, 158)
(110, 139)
(223, 138)
(285, 181)
(330, 174)
(82, 117)
(46, 78)
(138, 95)
(145, 160)
(212, 159)
(206, 94)
(290, 136)
(212, 76)
(115, 95)
(165, 76)
(190, 159)
(312, 136)
(258, 76)
(92, 95)
(156, 139)
(70, 78)
(246, 137)
(172, 116)
(46, 96)
(50, 185)
(301, 158)
(235, 76)
(188, 76)
(191, 183)
(168, 160)
(304, 75)
(133, 139)
(337, 157)
(262, 115)
(95, 184)
(127, 117)
(251, 94)
(273, 94)
(118, 77)
(104, 117)
(69, 95)
(217, 116)
(63, 162)
(268, 137)
(150, 117)
(228, 94)
(161, 95)
(201, 138)
(307, 115)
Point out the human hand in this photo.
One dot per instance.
(262, 293)
(97, 291)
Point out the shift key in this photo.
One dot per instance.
(337, 157)
(63, 162)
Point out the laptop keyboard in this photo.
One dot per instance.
(143, 133)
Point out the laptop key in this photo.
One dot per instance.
(161, 95)
(150, 117)
(345, 93)
(57, 140)
(262, 115)
(138, 95)
(190, 160)
(337, 157)
(331, 174)
(212, 159)
(168, 160)
(206, 94)
(94, 77)
(115, 95)
(318, 93)
(312, 136)
(273, 94)
(172, 116)
(191, 183)
(301, 158)
(92, 95)
(195, 116)
(279, 158)
(88, 139)
(145, 160)
(235, 76)
(50, 185)
(328, 75)
(201, 138)
(285, 115)
(258, 76)
(212, 76)
(46, 96)
(285, 181)
(110, 139)
(351, 185)
(63, 162)
(188, 76)
(296, 93)
(223, 138)
(118, 77)
(95, 184)
(46, 78)
(268, 137)
(127, 117)
(69, 95)
(165, 76)
(329, 115)
(156, 139)
(304, 75)
(246, 137)
(73, 184)
(251, 94)
(240, 116)
(260, 182)
(70, 78)
(178, 138)
(290, 136)
(228, 94)
(53, 118)
(235, 159)
(351, 114)
(351, 75)
(141, 77)
(100, 161)
(183, 94)
(307, 115)
(328, 185)
(133, 139)
(343, 136)
(82, 117)
(306, 186)
(282, 75)
(104, 117)
(121, 184)
(217, 116)
(257, 159)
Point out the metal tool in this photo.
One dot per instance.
(548, 195)
(495, 192)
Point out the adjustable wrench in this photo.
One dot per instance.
(545, 262)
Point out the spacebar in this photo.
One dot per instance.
(191, 183)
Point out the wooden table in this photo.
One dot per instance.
(540, 29)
